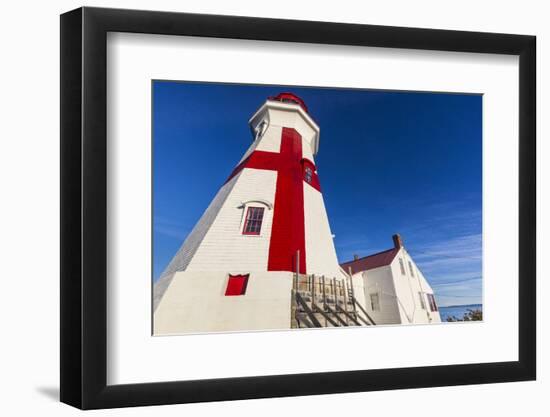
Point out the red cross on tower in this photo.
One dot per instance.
(288, 229)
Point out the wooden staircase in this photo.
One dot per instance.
(318, 301)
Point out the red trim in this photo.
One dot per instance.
(258, 160)
(306, 163)
(288, 230)
(236, 284)
(289, 97)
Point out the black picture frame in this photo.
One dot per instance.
(84, 207)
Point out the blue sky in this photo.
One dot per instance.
(389, 162)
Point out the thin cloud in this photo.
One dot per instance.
(453, 267)
(169, 228)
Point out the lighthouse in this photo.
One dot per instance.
(266, 226)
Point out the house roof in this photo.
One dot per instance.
(370, 262)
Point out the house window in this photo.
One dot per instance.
(253, 221)
(422, 302)
(375, 302)
(411, 269)
(236, 284)
(308, 175)
(401, 266)
(431, 301)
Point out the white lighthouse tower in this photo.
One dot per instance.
(266, 225)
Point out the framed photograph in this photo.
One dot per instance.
(257, 208)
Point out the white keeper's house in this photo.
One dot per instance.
(262, 255)
(396, 291)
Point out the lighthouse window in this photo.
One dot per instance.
(308, 174)
(288, 100)
(253, 221)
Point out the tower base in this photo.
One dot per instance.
(196, 302)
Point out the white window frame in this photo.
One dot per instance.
(432, 302)
(422, 300)
(372, 304)
(259, 203)
(402, 266)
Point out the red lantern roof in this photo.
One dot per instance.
(289, 98)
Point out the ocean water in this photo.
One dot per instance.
(457, 311)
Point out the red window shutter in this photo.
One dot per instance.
(236, 284)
